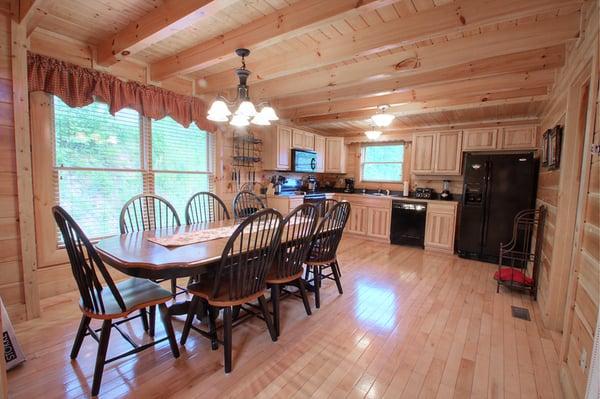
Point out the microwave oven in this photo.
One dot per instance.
(304, 161)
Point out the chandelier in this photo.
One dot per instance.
(246, 112)
(373, 134)
(381, 119)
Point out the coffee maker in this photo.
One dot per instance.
(349, 187)
(312, 183)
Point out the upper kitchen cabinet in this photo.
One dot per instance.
(480, 139)
(335, 155)
(491, 139)
(518, 138)
(303, 140)
(423, 149)
(277, 151)
(448, 153)
(320, 150)
(437, 153)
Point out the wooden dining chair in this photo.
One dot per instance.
(322, 253)
(325, 206)
(298, 229)
(205, 207)
(240, 278)
(146, 212)
(246, 203)
(110, 301)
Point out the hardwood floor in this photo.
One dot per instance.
(409, 325)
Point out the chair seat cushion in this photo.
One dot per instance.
(204, 288)
(137, 293)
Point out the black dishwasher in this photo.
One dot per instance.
(408, 223)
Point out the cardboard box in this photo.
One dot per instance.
(12, 351)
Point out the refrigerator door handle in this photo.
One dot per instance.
(486, 205)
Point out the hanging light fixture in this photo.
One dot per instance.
(373, 134)
(246, 111)
(381, 119)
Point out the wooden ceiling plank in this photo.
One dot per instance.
(158, 24)
(443, 104)
(488, 85)
(300, 17)
(31, 13)
(459, 16)
(533, 60)
(412, 62)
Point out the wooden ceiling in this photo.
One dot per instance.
(328, 64)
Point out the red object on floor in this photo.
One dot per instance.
(514, 275)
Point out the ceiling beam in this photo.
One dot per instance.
(439, 105)
(520, 38)
(453, 17)
(300, 17)
(31, 13)
(466, 88)
(534, 60)
(158, 24)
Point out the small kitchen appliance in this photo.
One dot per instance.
(445, 194)
(349, 187)
(423, 193)
(312, 183)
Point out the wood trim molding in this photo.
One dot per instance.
(19, 46)
(3, 377)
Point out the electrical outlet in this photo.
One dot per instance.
(583, 359)
(595, 149)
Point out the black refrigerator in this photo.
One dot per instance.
(496, 187)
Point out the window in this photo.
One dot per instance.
(101, 161)
(180, 162)
(382, 163)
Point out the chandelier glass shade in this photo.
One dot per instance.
(245, 110)
(381, 119)
(373, 134)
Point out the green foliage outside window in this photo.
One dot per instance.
(382, 163)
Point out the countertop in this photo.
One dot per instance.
(367, 195)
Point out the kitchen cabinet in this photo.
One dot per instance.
(437, 153)
(518, 138)
(423, 149)
(284, 203)
(369, 217)
(277, 151)
(378, 223)
(440, 226)
(335, 155)
(479, 139)
(358, 220)
(319, 142)
(303, 140)
(448, 153)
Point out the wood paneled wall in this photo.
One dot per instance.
(569, 292)
(11, 273)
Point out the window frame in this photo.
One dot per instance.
(45, 174)
(363, 149)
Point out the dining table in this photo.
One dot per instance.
(137, 254)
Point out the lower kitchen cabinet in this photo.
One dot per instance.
(369, 217)
(378, 223)
(440, 226)
(358, 222)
